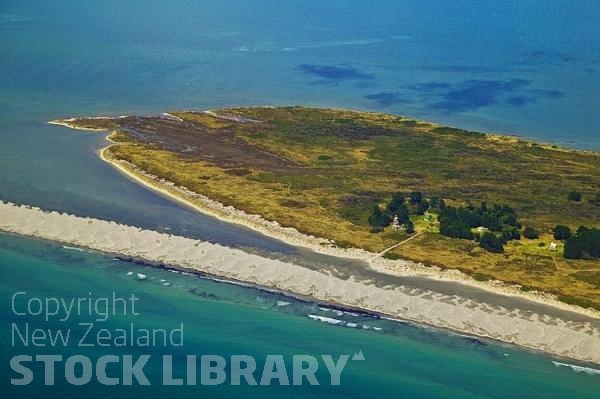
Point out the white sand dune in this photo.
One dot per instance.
(577, 340)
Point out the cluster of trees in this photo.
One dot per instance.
(399, 206)
(500, 220)
(584, 244)
(491, 242)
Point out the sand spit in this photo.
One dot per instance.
(70, 124)
(577, 340)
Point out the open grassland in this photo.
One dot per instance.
(322, 171)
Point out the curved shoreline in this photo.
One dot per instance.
(66, 123)
(291, 236)
(538, 331)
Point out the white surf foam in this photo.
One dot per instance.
(578, 369)
(327, 320)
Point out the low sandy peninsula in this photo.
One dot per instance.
(192, 167)
(574, 339)
(291, 236)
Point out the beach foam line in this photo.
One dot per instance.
(327, 320)
(578, 369)
(73, 248)
(576, 340)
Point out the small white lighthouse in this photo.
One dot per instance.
(396, 223)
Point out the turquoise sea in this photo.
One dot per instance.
(530, 68)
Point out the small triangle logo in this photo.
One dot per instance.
(358, 356)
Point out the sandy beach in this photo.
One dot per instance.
(68, 123)
(576, 340)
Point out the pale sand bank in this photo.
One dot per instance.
(577, 340)
(68, 123)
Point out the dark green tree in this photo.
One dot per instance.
(403, 214)
(584, 244)
(573, 249)
(574, 196)
(491, 243)
(561, 232)
(409, 227)
(397, 206)
(510, 233)
(531, 233)
(490, 220)
(452, 223)
(469, 216)
(437, 203)
(456, 229)
(483, 207)
(422, 207)
(416, 197)
(378, 219)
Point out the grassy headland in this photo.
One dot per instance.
(323, 171)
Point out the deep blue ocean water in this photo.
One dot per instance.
(530, 68)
